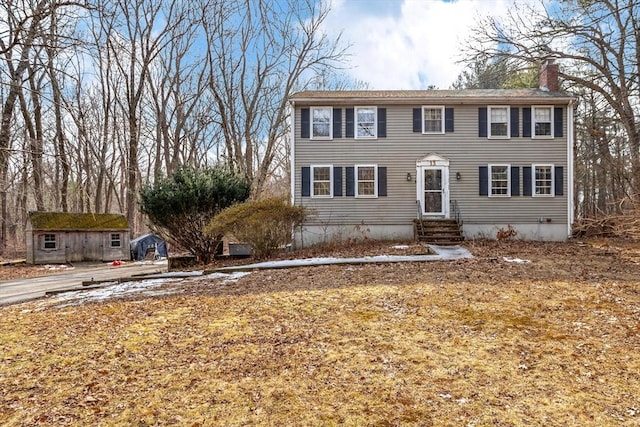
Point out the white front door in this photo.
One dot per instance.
(433, 190)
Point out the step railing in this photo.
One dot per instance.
(455, 208)
(420, 220)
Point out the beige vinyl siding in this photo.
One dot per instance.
(399, 152)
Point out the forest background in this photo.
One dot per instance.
(99, 98)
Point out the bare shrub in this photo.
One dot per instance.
(266, 225)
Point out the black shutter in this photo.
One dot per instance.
(483, 176)
(526, 122)
(351, 181)
(348, 118)
(337, 122)
(417, 120)
(337, 181)
(559, 181)
(515, 122)
(382, 181)
(515, 180)
(482, 122)
(305, 123)
(557, 122)
(527, 187)
(306, 181)
(448, 119)
(382, 122)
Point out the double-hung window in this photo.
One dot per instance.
(116, 240)
(499, 180)
(322, 181)
(432, 119)
(499, 126)
(49, 241)
(366, 180)
(542, 122)
(543, 180)
(321, 122)
(366, 122)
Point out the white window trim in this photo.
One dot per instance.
(375, 181)
(311, 110)
(533, 179)
(55, 241)
(508, 135)
(375, 122)
(490, 168)
(533, 122)
(433, 107)
(111, 240)
(321, 196)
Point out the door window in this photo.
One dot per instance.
(433, 190)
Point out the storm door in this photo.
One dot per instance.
(434, 190)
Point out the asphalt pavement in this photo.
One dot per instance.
(20, 290)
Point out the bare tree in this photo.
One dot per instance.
(598, 45)
(21, 31)
(137, 32)
(259, 53)
(177, 85)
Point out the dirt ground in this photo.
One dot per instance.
(536, 334)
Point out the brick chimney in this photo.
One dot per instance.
(549, 76)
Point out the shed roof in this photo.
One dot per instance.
(77, 221)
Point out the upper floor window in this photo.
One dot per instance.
(499, 180)
(432, 119)
(49, 241)
(543, 180)
(322, 181)
(366, 122)
(366, 180)
(321, 122)
(499, 126)
(116, 240)
(542, 122)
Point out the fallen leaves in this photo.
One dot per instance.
(470, 342)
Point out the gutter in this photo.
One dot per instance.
(453, 100)
(570, 167)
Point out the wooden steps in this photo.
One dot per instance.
(438, 231)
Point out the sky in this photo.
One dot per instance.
(407, 44)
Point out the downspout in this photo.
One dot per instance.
(292, 165)
(292, 160)
(570, 168)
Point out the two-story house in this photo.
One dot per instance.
(369, 163)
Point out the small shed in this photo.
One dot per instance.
(141, 245)
(55, 237)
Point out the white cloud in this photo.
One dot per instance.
(408, 44)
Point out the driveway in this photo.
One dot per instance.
(13, 291)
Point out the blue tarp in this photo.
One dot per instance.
(140, 245)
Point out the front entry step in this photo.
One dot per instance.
(438, 231)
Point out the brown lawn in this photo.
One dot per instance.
(480, 342)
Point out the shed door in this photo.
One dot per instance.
(74, 246)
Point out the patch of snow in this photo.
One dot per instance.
(516, 260)
(57, 267)
(112, 291)
(146, 287)
(228, 277)
(400, 247)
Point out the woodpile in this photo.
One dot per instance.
(625, 225)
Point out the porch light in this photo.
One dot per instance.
(408, 176)
(458, 176)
